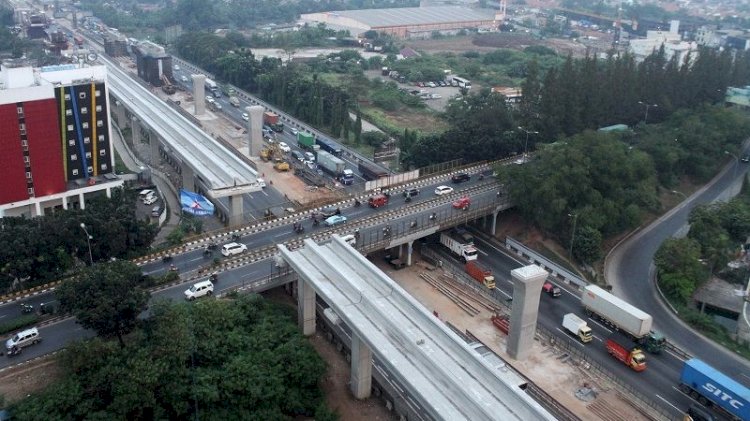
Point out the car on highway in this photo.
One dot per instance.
(245, 117)
(441, 190)
(335, 220)
(284, 147)
(552, 290)
(411, 192)
(22, 339)
(327, 212)
(183, 78)
(230, 249)
(295, 132)
(460, 177)
(745, 158)
(199, 289)
(309, 156)
(296, 155)
(462, 203)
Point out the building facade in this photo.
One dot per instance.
(56, 137)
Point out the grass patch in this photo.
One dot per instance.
(19, 322)
(120, 167)
(396, 121)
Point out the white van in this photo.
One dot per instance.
(350, 239)
(199, 289)
(23, 339)
(231, 249)
(146, 193)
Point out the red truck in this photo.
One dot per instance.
(625, 350)
(272, 120)
(378, 200)
(480, 273)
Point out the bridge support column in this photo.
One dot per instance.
(188, 179)
(306, 309)
(120, 114)
(361, 377)
(400, 250)
(527, 288)
(494, 222)
(153, 141)
(236, 210)
(135, 130)
(409, 249)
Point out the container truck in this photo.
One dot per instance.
(457, 246)
(371, 171)
(622, 316)
(713, 389)
(482, 274)
(329, 146)
(577, 326)
(272, 120)
(212, 87)
(305, 140)
(331, 164)
(624, 349)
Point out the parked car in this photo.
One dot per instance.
(441, 190)
(335, 220)
(183, 78)
(150, 200)
(441, 83)
(176, 67)
(431, 84)
(310, 156)
(284, 147)
(261, 183)
(745, 158)
(460, 177)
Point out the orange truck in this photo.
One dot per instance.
(624, 349)
(272, 120)
(482, 274)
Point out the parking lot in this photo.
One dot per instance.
(438, 104)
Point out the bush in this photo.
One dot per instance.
(19, 323)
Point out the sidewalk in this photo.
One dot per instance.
(168, 191)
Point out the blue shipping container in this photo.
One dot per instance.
(716, 387)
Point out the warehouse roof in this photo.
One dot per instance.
(376, 18)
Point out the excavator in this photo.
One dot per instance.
(167, 86)
(273, 153)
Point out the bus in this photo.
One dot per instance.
(461, 82)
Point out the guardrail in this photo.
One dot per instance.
(539, 260)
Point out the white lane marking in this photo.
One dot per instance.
(566, 334)
(669, 403)
(600, 325)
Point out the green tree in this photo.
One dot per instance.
(679, 268)
(587, 245)
(106, 297)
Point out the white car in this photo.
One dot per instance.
(176, 67)
(284, 147)
(262, 182)
(231, 249)
(245, 117)
(150, 200)
(184, 78)
(294, 131)
(309, 156)
(441, 190)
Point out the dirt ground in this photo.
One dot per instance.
(19, 382)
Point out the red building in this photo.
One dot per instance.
(55, 139)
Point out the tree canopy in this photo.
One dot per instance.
(211, 360)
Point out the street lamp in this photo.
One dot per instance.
(645, 117)
(573, 236)
(736, 163)
(88, 241)
(526, 145)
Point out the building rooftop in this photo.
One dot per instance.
(376, 18)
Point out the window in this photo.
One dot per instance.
(85, 125)
(91, 170)
(97, 93)
(67, 97)
(70, 127)
(82, 95)
(75, 171)
(86, 140)
(101, 138)
(71, 142)
(104, 167)
(102, 152)
(99, 123)
(68, 112)
(31, 191)
(24, 142)
(22, 126)
(19, 110)
(84, 110)
(74, 157)
(98, 107)
(28, 175)
(26, 160)
(88, 155)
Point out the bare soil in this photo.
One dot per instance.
(19, 382)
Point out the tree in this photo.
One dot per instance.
(106, 297)
(587, 245)
(679, 267)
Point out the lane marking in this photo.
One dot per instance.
(568, 335)
(668, 402)
(600, 325)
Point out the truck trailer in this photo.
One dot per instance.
(715, 390)
(577, 326)
(482, 274)
(272, 120)
(329, 146)
(626, 350)
(456, 245)
(335, 167)
(622, 316)
(306, 141)
(371, 171)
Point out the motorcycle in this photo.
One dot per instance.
(357, 203)
(481, 177)
(27, 308)
(408, 199)
(214, 277)
(172, 268)
(298, 228)
(167, 258)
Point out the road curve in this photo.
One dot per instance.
(629, 269)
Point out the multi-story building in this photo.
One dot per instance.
(55, 144)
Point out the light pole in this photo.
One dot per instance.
(736, 163)
(573, 236)
(526, 145)
(680, 193)
(645, 117)
(88, 241)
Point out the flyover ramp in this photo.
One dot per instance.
(223, 173)
(442, 373)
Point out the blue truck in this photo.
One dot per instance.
(715, 390)
(329, 146)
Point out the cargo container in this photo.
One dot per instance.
(272, 120)
(622, 316)
(330, 164)
(626, 350)
(577, 326)
(371, 171)
(329, 146)
(305, 140)
(715, 390)
(482, 274)
(456, 245)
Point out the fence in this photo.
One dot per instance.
(537, 259)
(393, 179)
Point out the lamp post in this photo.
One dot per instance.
(88, 241)
(645, 117)
(736, 163)
(526, 145)
(573, 236)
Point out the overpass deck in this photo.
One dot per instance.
(218, 167)
(444, 374)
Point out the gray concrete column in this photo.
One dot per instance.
(400, 250)
(527, 287)
(81, 202)
(188, 178)
(494, 222)
(65, 202)
(361, 377)
(109, 193)
(199, 94)
(38, 209)
(306, 307)
(255, 129)
(154, 143)
(135, 130)
(409, 249)
(236, 210)
(119, 114)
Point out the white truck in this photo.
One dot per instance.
(622, 316)
(334, 166)
(234, 101)
(577, 326)
(467, 251)
(212, 87)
